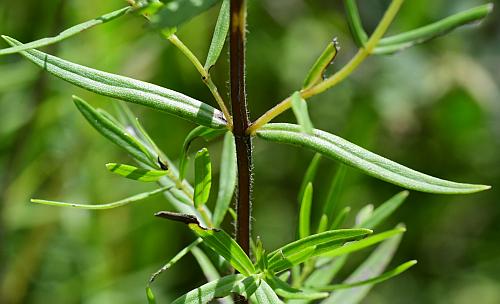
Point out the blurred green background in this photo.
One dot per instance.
(434, 108)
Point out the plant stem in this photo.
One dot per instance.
(241, 122)
(205, 76)
(337, 77)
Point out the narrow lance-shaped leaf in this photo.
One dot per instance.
(223, 287)
(227, 180)
(123, 202)
(207, 267)
(333, 197)
(219, 36)
(175, 259)
(299, 107)
(150, 295)
(375, 280)
(127, 89)
(363, 214)
(198, 132)
(339, 219)
(283, 289)
(224, 245)
(317, 71)
(422, 34)
(354, 21)
(202, 177)
(384, 210)
(177, 12)
(115, 133)
(139, 174)
(372, 164)
(373, 266)
(66, 33)
(305, 212)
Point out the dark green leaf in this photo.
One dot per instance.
(227, 179)
(219, 37)
(127, 89)
(135, 173)
(368, 162)
(177, 12)
(66, 33)
(202, 177)
(354, 21)
(224, 245)
(299, 107)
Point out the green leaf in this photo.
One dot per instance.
(177, 12)
(333, 197)
(299, 107)
(206, 265)
(150, 295)
(198, 132)
(135, 173)
(227, 179)
(202, 177)
(372, 164)
(175, 259)
(305, 212)
(123, 202)
(323, 224)
(115, 133)
(325, 274)
(286, 291)
(223, 287)
(225, 246)
(422, 34)
(265, 295)
(309, 176)
(384, 211)
(373, 266)
(363, 214)
(318, 69)
(319, 243)
(354, 21)
(375, 280)
(340, 218)
(127, 89)
(219, 37)
(364, 243)
(66, 33)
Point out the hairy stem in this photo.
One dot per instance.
(241, 122)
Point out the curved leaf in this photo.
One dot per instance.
(317, 71)
(219, 37)
(66, 33)
(127, 89)
(299, 107)
(139, 174)
(372, 164)
(354, 22)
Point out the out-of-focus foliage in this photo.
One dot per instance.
(434, 107)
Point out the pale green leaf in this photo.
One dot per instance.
(305, 212)
(66, 33)
(309, 175)
(375, 280)
(127, 89)
(135, 173)
(219, 36)
(206, 265)
(363, 214)
(286, 291)
(202, 177)
(123, 202)
(368, 162)
(317, 71)
(227, 179)
(265, 295)
(299, 107)
(323, 224)
(333, 197)
(223, 287)
(115, 133)
(224, 245)
(373, 266)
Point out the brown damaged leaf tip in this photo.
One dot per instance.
(163, 165)
(178, 217)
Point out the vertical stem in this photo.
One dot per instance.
(241, 122)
